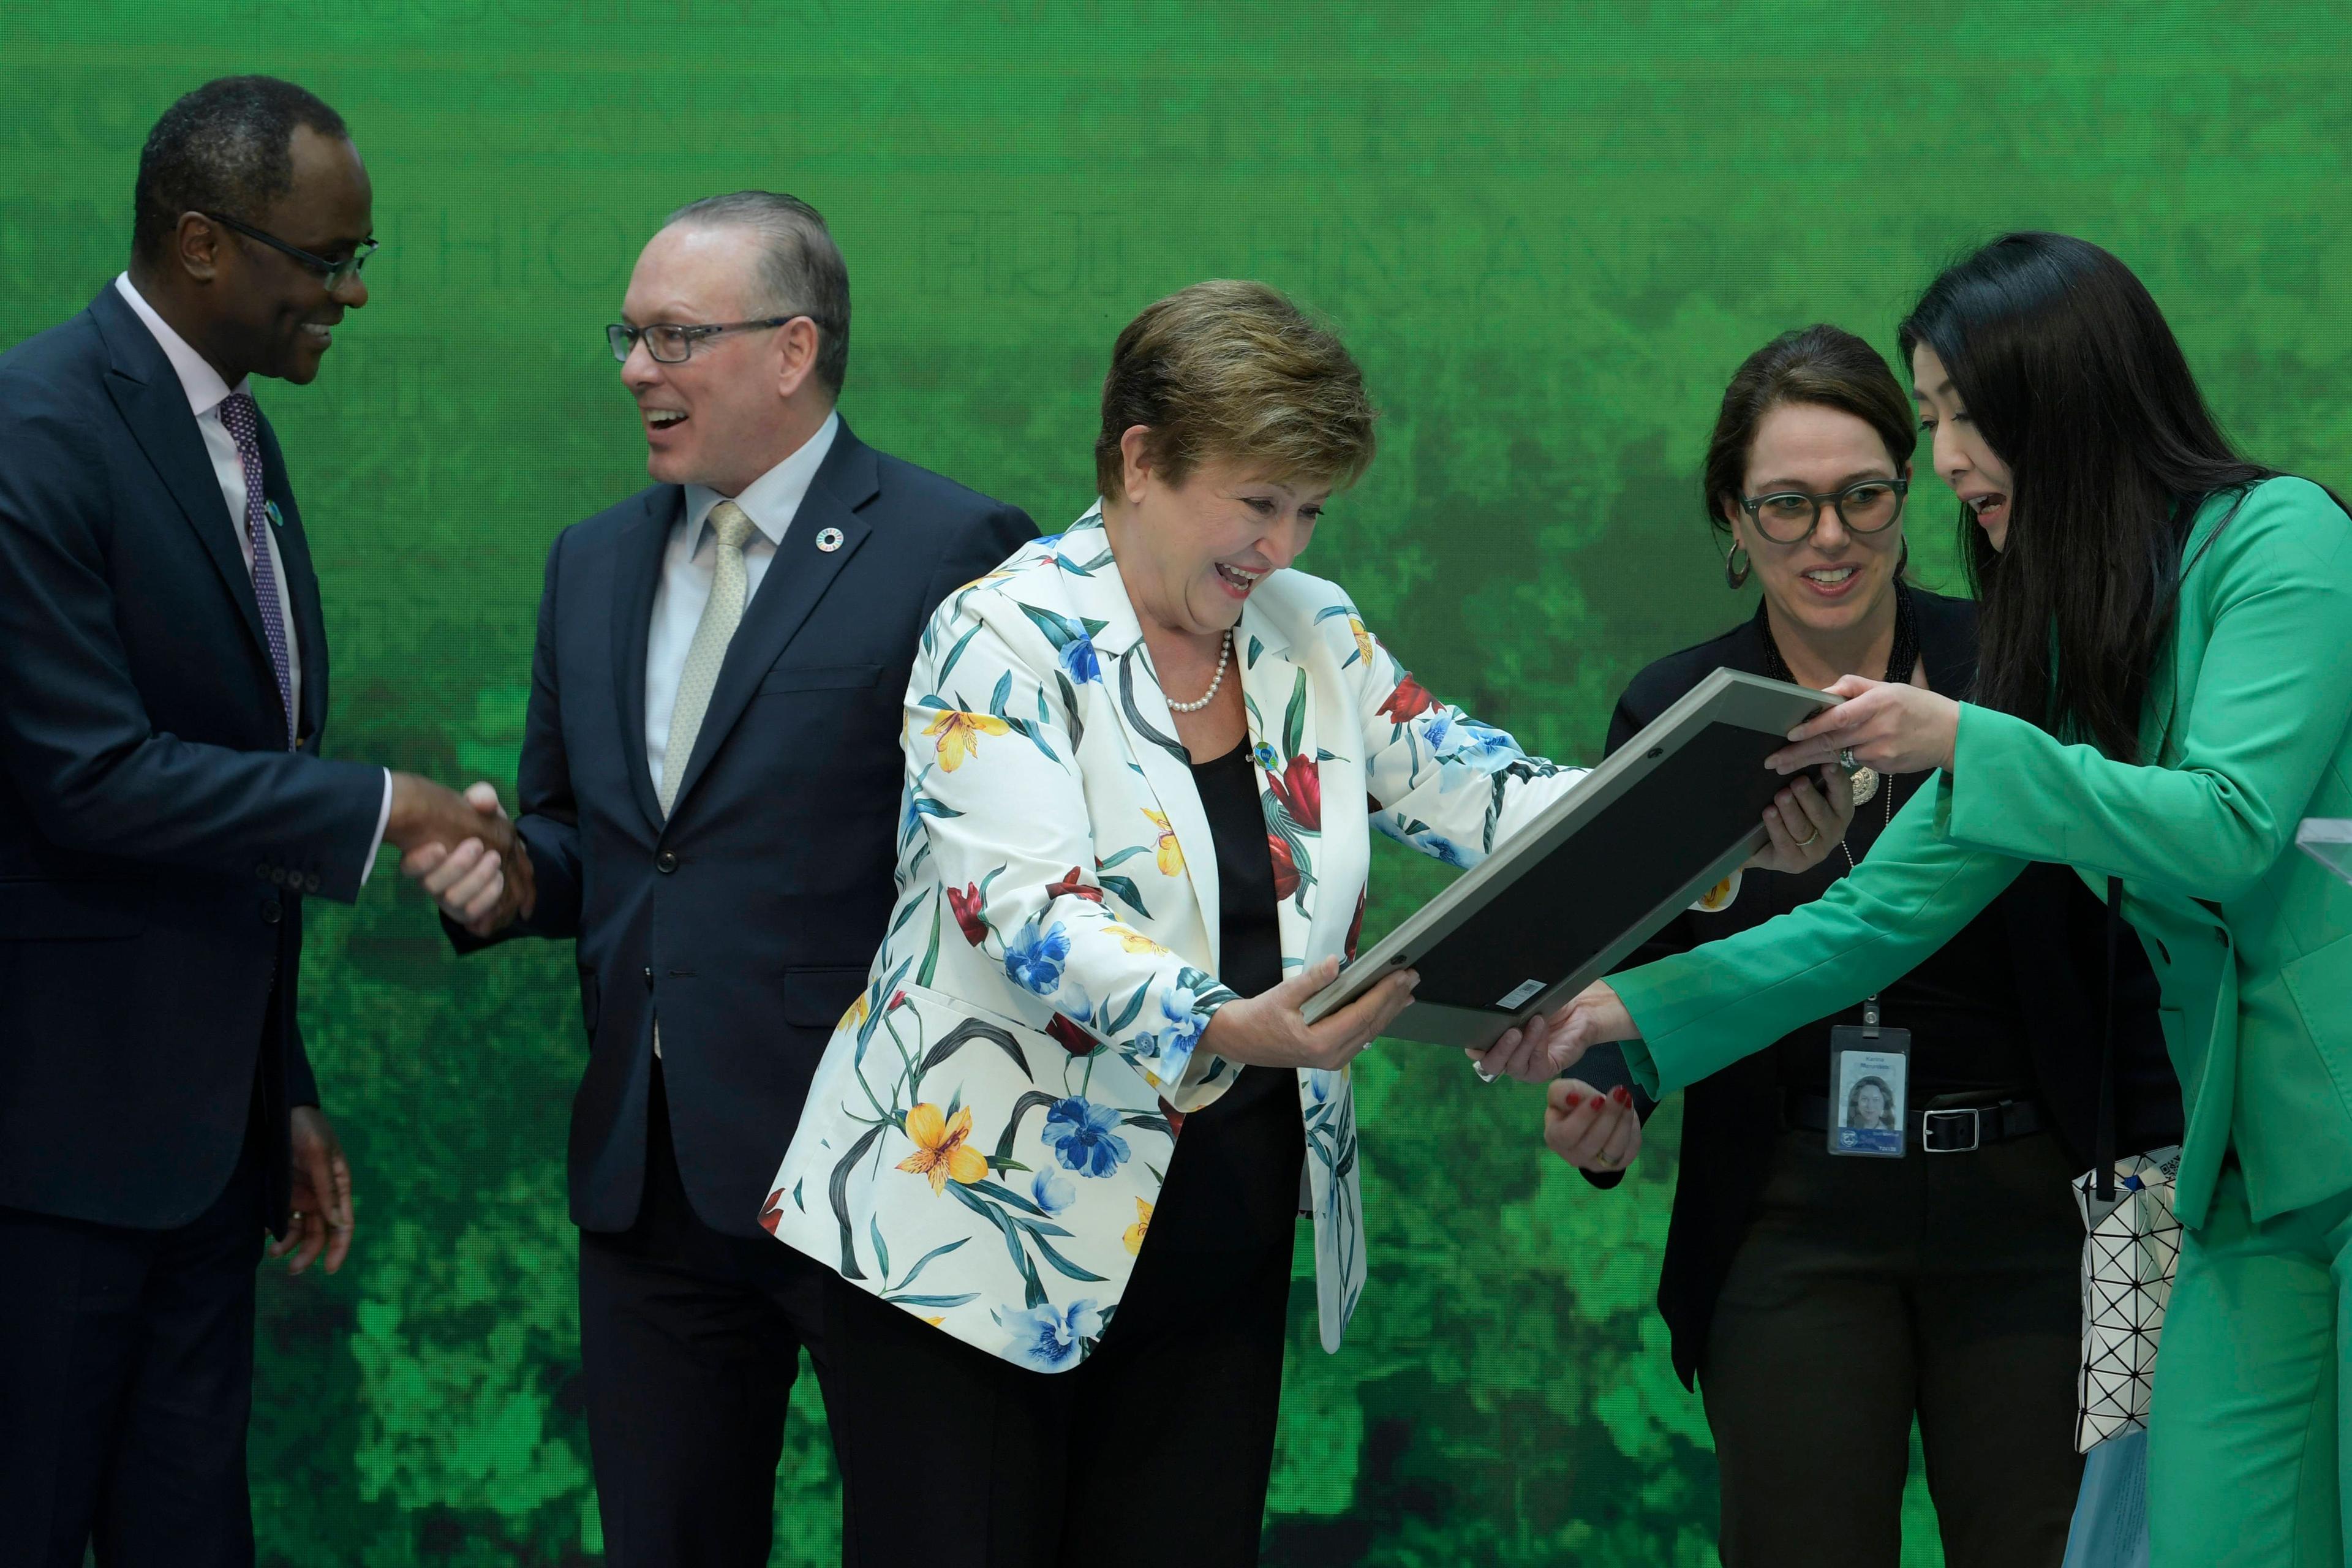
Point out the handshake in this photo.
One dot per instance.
(463, 850)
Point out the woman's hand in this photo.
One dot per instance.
(1804, 822)
(1896, 729)
(1268, 1030)
(1545, 1046)
(1590, 1130)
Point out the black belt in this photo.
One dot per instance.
(1938, 1130)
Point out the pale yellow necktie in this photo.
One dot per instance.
(721, 614)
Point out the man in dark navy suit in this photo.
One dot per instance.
(163, 812)
(711, 786)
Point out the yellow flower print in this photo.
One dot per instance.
(1364, 644)
(958, 735)
(1134, 940)
(1717, 897)
(855, 1016)
(1171, 854)
(1136, 1232)
(935, 1322)
(940, 1151)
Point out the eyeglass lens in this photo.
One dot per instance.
(1864, 509)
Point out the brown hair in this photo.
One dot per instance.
(1235, 371)
(1819, 365)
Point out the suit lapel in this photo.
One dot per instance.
(147, 392)
(637, 573)
(1289, 767)
(796, 580)
(1098, 593)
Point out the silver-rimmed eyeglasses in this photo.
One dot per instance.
(670, 344)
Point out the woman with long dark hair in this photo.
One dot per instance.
(2163, 691)
(1850, 1298)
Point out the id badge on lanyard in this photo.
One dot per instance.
(1870, 1072)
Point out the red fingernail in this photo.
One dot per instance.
(1622, 1095)
(1571, 1100)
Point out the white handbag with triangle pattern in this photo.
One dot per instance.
(2129, 1252)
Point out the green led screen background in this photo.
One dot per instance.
(1550, 232)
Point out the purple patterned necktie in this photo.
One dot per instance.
(242, 419)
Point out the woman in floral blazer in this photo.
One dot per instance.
(1082, 958)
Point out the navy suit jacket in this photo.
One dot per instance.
(748, 917)
(157, 839)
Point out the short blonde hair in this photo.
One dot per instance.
(1233, 371)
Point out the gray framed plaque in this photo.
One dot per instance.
(1678, 808)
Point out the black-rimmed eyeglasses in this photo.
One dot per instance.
(334, 274)
(1790, 517)
(673, 344)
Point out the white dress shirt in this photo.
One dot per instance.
(206, 391)
(691, 560)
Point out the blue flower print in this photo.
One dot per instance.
(1084, 1137)
(1468, 748)
(1437, 847)
(1078, 661)
(1051, 1191)
(1047, 1336)
(1179, 1030)
(1033, 959)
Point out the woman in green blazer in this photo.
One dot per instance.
(2164, 693)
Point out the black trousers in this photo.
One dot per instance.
(1944, 1286)
(126, 1382)
(1156, 1450)
(689, 1340)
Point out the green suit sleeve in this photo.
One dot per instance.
(2275, 590)
(1700, 1011)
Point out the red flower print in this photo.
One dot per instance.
(1408, 700)
(1070, 1036)
(1300, 789)
(1285, 870)
(965, 905)
(771, 1213)
(1356, 926)
(1175, 1117)
(1071, 885)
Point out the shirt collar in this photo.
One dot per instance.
(773, 500)
(198, 379)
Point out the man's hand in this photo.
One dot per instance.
(322, 1196)
(1268, 1029)
(1590, 1130)
(463, 850)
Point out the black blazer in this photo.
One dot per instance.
(749, 917)
(156, 837)
(2053, 928)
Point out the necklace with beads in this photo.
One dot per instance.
(1225, 657)
(1901, 658)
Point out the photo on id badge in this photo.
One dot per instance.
(1869, 1102)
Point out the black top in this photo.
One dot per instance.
(1233, 1180)
(2015, 999)
(1960, 1003)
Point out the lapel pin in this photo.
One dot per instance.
(277, 518)
(828, 539)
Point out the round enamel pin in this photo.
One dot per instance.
(828, 539)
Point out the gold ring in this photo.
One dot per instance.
(1808, 843)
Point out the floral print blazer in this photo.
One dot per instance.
(992, 1121)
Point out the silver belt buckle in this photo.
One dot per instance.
(1975, 1117)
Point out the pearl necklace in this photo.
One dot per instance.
(1225, 657)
